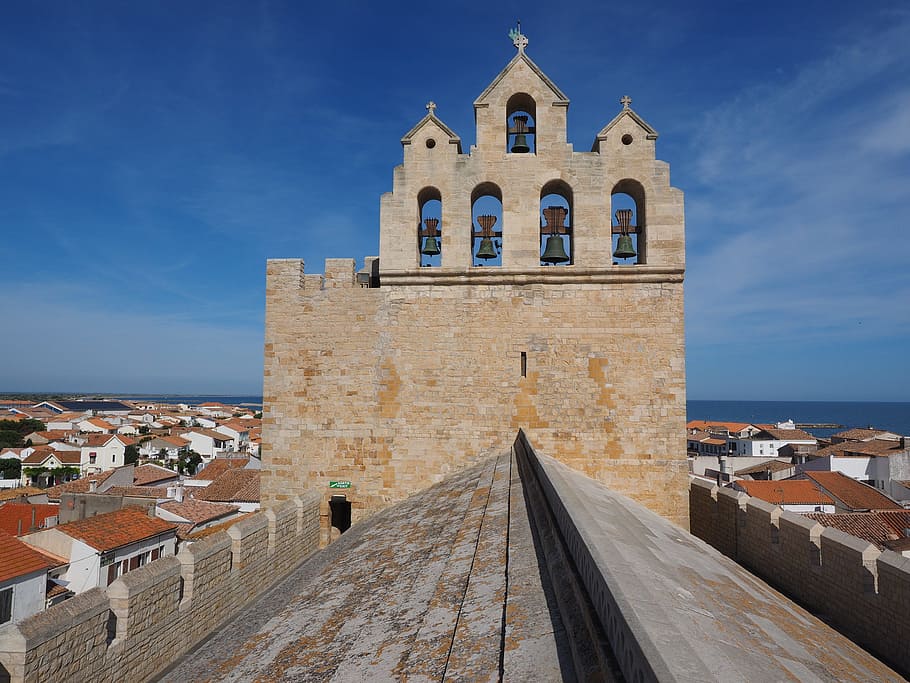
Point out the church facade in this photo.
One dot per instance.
(519, 284)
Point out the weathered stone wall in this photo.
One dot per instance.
(147, 618)
(394, 388)
(860, 590)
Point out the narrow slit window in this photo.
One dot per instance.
(524, 364)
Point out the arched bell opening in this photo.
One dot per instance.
(486, 227)
(627, 208)
(521, 124)
(429, 227)
(556, 215)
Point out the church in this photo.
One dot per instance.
(520, 284)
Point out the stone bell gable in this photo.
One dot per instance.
(520, 284)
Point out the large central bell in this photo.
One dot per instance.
(555, 251)
(624, 248)
(430, 247)
(486, 250)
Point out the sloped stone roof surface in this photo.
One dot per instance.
(417, 592)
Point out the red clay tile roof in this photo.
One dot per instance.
(706, 424)
(789, 435)
(219, 466)
(858, 434)
(42, 454)
(138, 491)
(786, 492)
(874, 447)
(143, 475)
(78, 486)
(881, 528)
(851, 493)
(233, 486)
(16, 516)
(18, 558)
(198, 511)
(770, 466)
(98, 440)
(21, 492)
(116, 529)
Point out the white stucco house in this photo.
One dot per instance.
(101, 548)
(23, 579)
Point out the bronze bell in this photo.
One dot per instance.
(520, 146)
(430, 247)
(555, 251)
(486, 249)
(624, 248)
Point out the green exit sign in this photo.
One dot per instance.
(339, 484)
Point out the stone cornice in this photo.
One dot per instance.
(552, 275)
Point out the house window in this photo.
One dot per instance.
(92, 457)
(6, 605)
(111, 574)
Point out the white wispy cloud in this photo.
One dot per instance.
(797, 227)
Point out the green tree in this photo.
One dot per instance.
(10, 468)
(131, 455)
(188, 462)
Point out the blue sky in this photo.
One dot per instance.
(154, 155)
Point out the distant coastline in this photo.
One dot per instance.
(887, 415)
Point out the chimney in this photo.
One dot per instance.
(34, 518)
(92, 485)
(178, 493)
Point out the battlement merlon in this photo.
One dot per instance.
(288, 275)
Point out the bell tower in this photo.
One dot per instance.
(520, 284)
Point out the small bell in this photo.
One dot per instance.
(430, 247)
(486, 250)
(520, 146)
(555, 251)
(624, 248)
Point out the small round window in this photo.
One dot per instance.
(431, 143)
(627, 139)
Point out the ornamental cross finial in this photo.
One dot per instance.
(625, 101)
(519, 40)
(431, 107)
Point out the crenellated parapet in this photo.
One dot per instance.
(859, 588)
(144, 620)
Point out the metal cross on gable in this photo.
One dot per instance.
(625, 101)
(431, 107)
(519, 40)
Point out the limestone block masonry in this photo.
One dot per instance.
(392, 387)
(148, 618)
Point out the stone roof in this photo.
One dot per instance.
(468, 580)
(116, 529)
(851, 493)
(18, 558)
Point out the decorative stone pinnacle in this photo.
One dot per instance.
(625, 101)
(431, 107)
(519, 40)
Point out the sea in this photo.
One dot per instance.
(891, 417)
